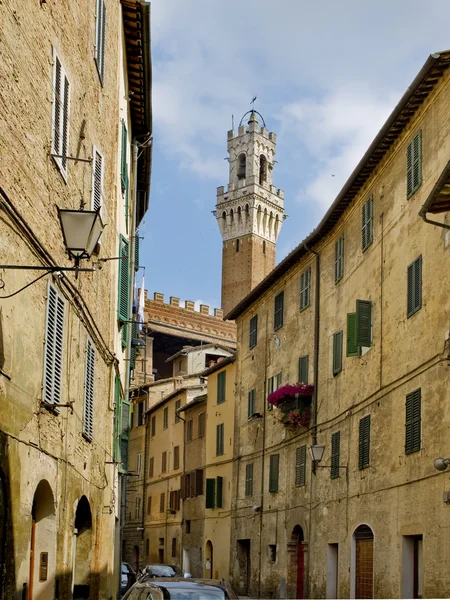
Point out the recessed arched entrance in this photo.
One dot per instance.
(363, 572)
(41, 583)
(136, 559)
(297, 562)
(209, 560)
(82, 548)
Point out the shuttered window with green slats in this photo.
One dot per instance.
(249, 479)
(123, 309)
(270, 389)
(278, 316)
(414, 165)
(100, 27)
(221, 387)
(117, 407)
(253, 332)
(337, 352)
(414, 299)
(413, 421)
(364, 443)
(219, 499)
(305, 289)
(300, 465)
(303, 367)
(220, 439)
(136, 251)
(251, 403)
(364, 323)
(210, 493)
(335, 454)
(273, 472)
(367, 223)
(339, 259)
(134, 334)
(352, 347)
(124, 171)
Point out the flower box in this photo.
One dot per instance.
(289, 393)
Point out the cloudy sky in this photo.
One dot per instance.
(327, 75)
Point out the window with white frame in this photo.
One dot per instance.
(54, 346)
(100, 27)
(89, 382)
(61, 105)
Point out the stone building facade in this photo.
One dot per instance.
(66, 71)
(359, 311)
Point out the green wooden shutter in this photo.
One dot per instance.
(249, 479)
(273, 472)
(335, 454)
(124, 281)
(116, 447)
(134, 334)
(210, 493)
(278, 312)
(413, 422)
(270, 390)
(303, 367)
(367, 223)
(300, 465)
(364, 323)
(352, 347)
(414, 295)
(136, 251)
(221, 387)
(339, 259)
(253, 331)
(364, 442)
(219, 439)
(219, 500)
(251, 403)
(337, 352)
(414, 165)
(305, 284)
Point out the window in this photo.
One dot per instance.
(137, 508)
(367, 223)
(272, 553)
(300, 465)
(201, 424)
(151, 467)
(303, 367)
(61, 100)
(164, 462)
(221, 387)
(177, 406)
(219, 499)
(187, 524)
(162, 502)
(363, 323)
(124, 281)
(166, 418)
(138, 463)
(175, 500)
(149, 505)
(153, 430)
(251, 403)
(352, 347)
(199, 482)
(189, 430)
(264, 246)
(253, 332)
(97, 180)
(364, 442)
(335, 454)
(414, 165)
(89, 382)
(413, 421)
(414, 287)
(278, 311)
(339, 259)
(305, 288)
(100, 38)
(237, 245)
(220, 440)
(242, 160)
(273, 472)
(176, 457)
(210, 493)
(249, 479)
(174, 547)
(147, 547)
(54, 346)
(262, 169)
(337, 352)
(273, 384)
(140, 414)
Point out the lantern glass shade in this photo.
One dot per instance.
(81, 231)
(316, 452)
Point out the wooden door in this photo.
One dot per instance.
(364, 568)
(300, 569)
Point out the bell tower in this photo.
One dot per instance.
(250, 211)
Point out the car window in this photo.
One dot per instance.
(191, 593)
(161, 571)
(125, 569)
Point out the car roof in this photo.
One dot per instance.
(174, 581)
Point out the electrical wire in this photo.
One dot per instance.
(25, 286)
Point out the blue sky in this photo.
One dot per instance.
(327, 75)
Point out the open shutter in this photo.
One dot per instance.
(219, 439)
(364, 323)
(364, 442)
(54, 345)
(134, 334)
(136, 251)
(251, 403)
(303, 367)
(335, 454)
(124, 281)
(97, 180)
(337, 352)
(61, 94)
(352, 347)
(300, 465)
(367, 223)
(414, 165)
(278, 311)
(100, 38)
(413, 421)
(249, 479)
(273, 472)
(89, 381)
(414, 295)
(221, 387)
(253, 331)
(339, 259)
(65, 125)
(210, 493)
(219, 501)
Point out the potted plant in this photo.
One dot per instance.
(290, 393)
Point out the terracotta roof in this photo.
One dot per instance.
(439, 199)
(184, 332)
(410, 102)
(218, 365)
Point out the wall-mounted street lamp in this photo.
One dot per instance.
(316, 452)
(441, 464)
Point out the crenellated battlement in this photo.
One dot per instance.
(188, 305)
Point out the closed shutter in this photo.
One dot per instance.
(278, 311)
(367, 223)
(414, 286)
(251, 403)
(413, 421)
(249, 479)
(273, 472)
(221, 387)
(219, 439)
(134, 335)
(176, 457)
(337, 352)
(89, 380)
(97, 180)
(199, 482)
(124, 281)
(219, 502)
(300, 465)
(253, 331)
(151, 467)
(136, 251)
(61, 96)
(339, 259)
(210, 493)
(100, 38)
(303, 368)
(352, 347)
(335, 454)
(54, 346)
(414, 165)
(364, 442)
(305, 281)
(162, 502)
(271, 388)
(117, 409)
(364, 323)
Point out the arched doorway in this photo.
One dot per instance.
(41, 582)
(209, 560)
(298, 561)
(82, 548)
(363, 576)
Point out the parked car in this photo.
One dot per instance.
(177, 588)
(158, 570)
(127, 577)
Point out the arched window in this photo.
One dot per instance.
(242, 166)
(262, 169)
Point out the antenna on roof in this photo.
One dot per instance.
(232, 122)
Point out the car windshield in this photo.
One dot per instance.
(124, 569)
(164, 571)
(180, 593)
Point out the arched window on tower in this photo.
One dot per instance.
(262, 169)
(242, 166)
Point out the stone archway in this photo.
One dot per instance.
(82, 548)
(296, 564)
(41, 583)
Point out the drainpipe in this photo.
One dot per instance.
(427, 220)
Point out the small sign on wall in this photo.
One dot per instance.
(43, 566)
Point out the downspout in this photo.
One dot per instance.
(431, 222)
(144, 475)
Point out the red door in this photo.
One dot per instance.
(300, 569)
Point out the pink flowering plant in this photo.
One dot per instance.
(288, 392)
(298, 418)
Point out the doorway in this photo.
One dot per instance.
(363, 537)
(209, 564)
(412, 570)
(83, 547)
(297, 540)
(332, 571)
(245, 569)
